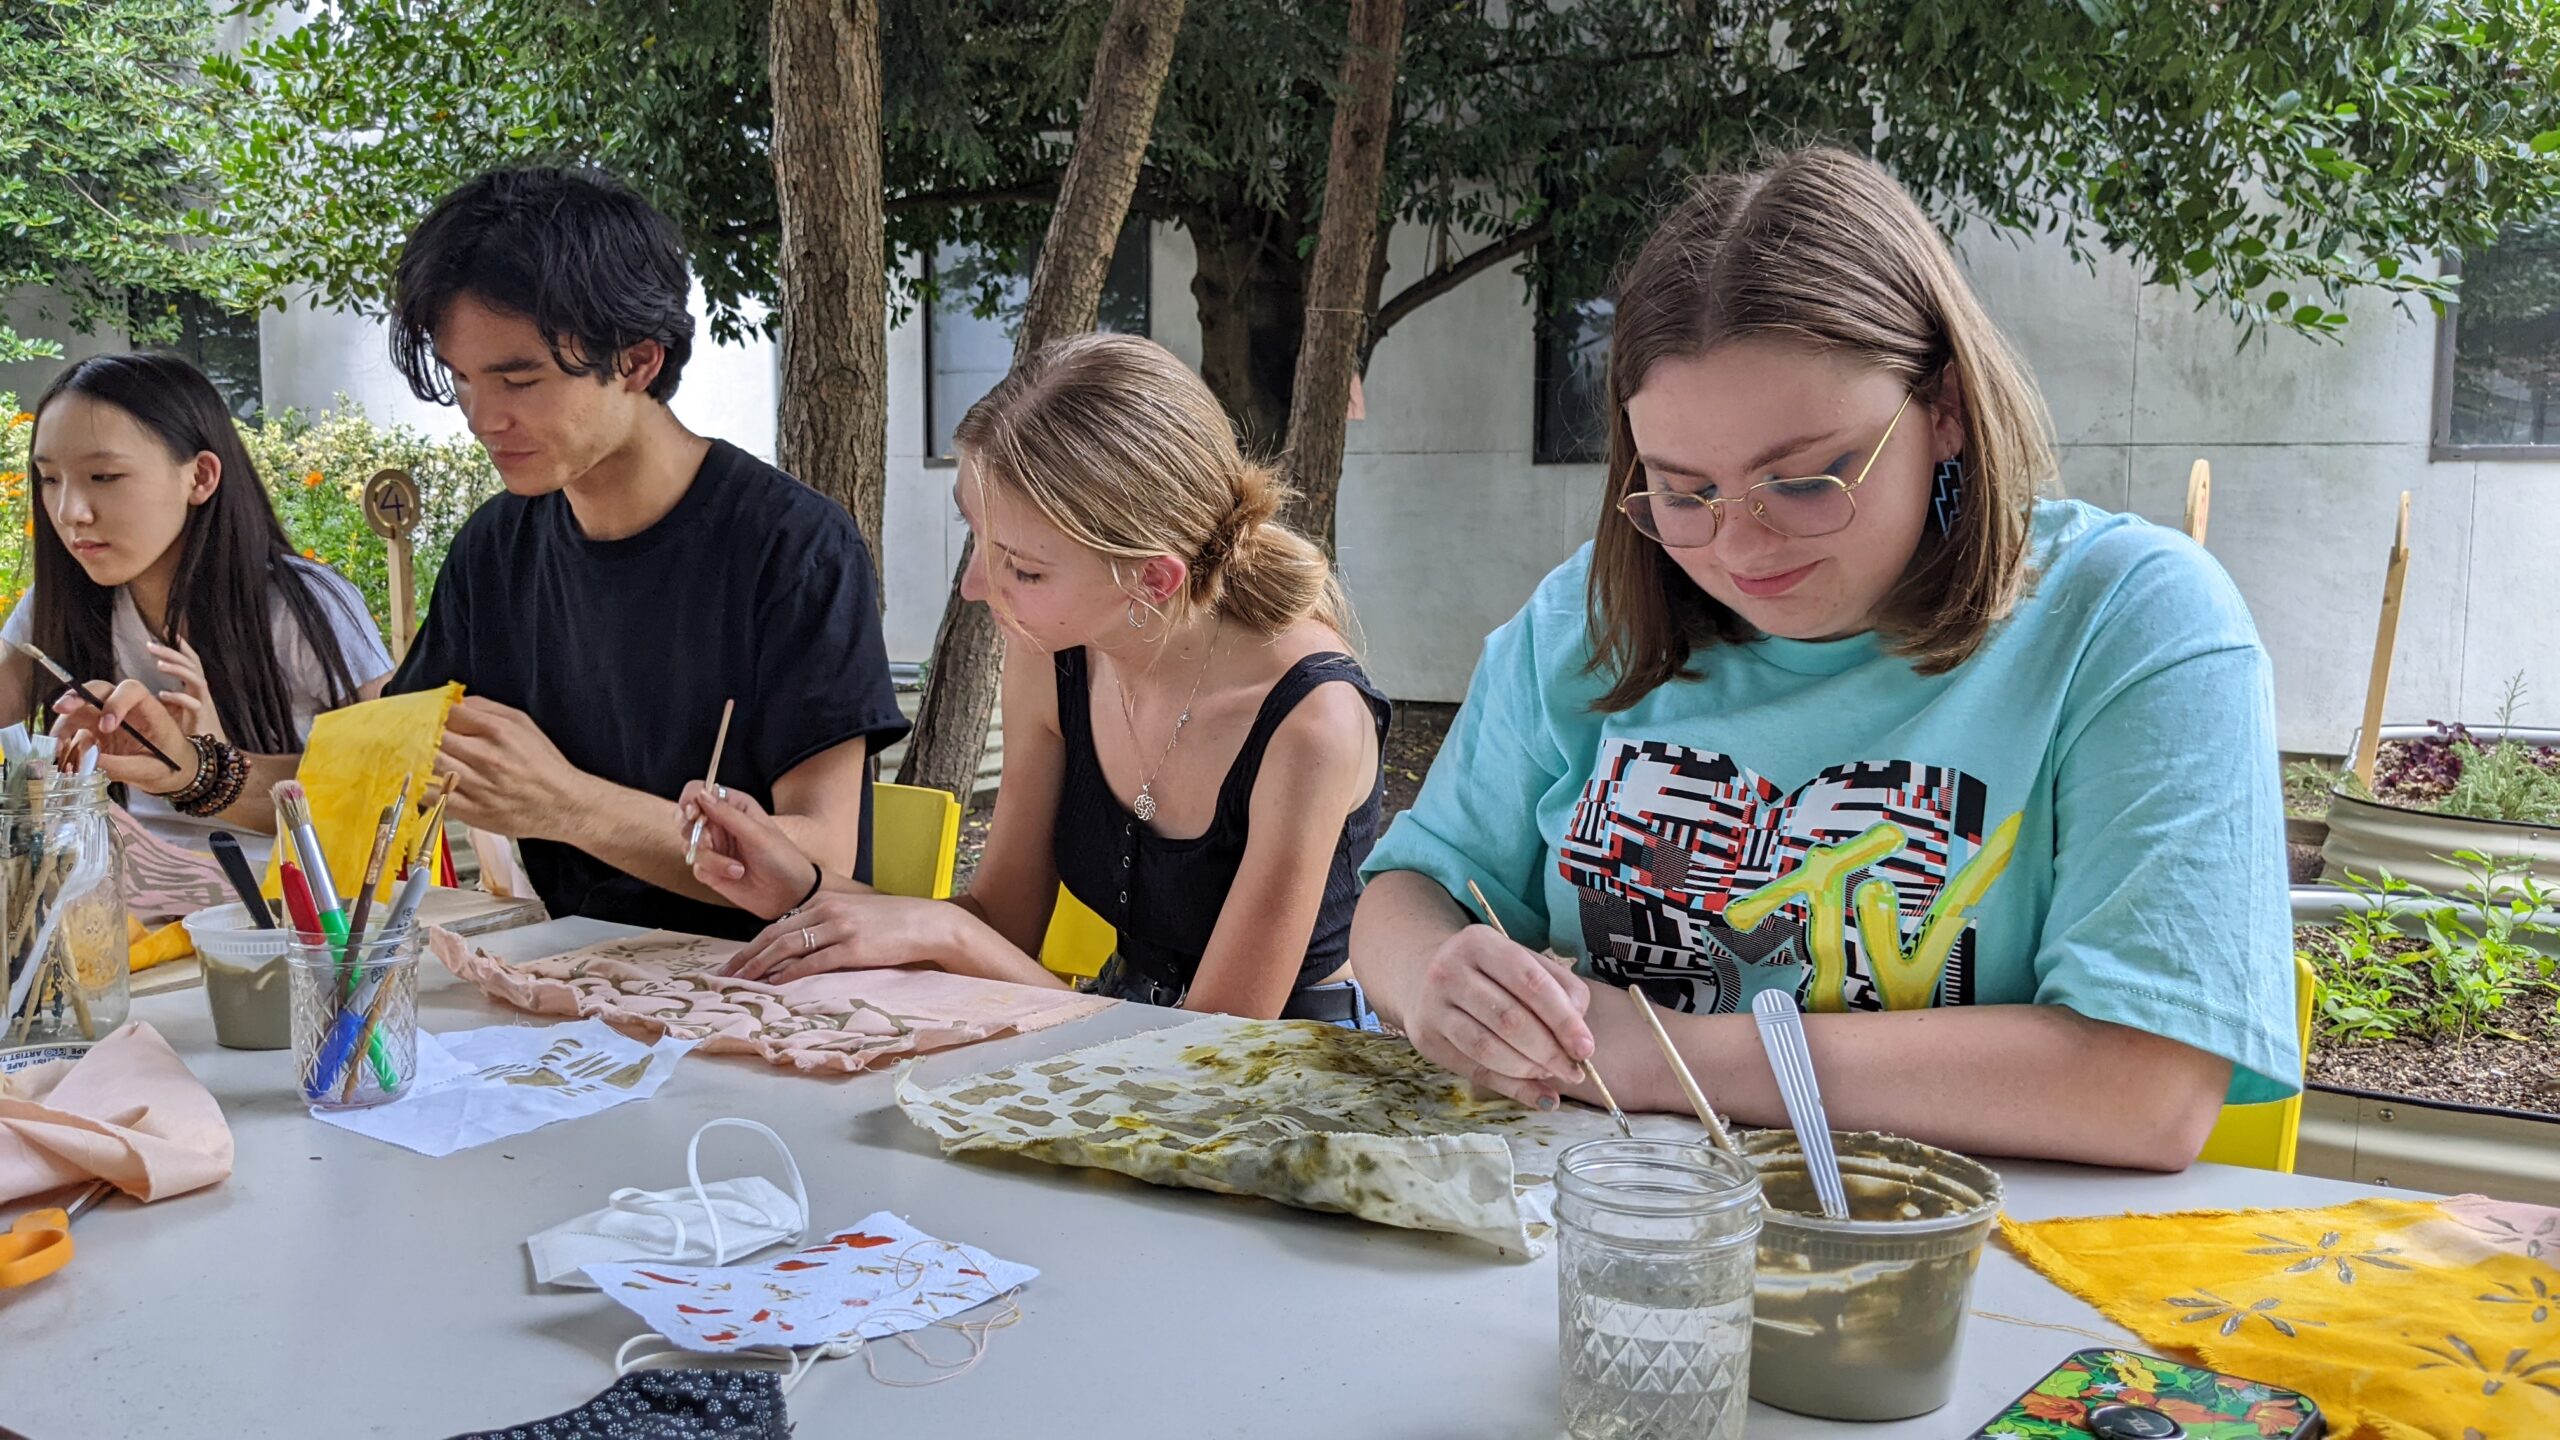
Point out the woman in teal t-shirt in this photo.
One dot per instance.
(1834, 703)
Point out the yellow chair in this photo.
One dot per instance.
(915, 840)
(915, 848)
(2263, 1137)
(1078, 940)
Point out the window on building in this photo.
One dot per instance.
(966, 352)
(2498, 356)
(221, 344)
(1572, 379)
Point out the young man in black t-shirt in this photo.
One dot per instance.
(634, 577)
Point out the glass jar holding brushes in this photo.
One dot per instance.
(63, 942)
(352, 965)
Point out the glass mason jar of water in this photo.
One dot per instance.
(63, 944)
(1653, 1284)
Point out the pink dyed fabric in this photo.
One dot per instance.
(840, 1021)
(129, 1111)
(163, 881)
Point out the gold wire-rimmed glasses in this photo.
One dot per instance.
(1802, 507)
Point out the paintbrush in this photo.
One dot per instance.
(293, 815)
(711, 777)
(423, 853)
(1590, 1071)
(382, 835)
(1680, 1070)
(90, 694)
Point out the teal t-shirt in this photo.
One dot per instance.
(2085, 813)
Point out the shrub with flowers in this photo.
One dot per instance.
(315, 468)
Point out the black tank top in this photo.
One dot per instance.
(1163, 895)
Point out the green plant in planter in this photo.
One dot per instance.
(2452, 773)
(2453, 980)
(2308, 784)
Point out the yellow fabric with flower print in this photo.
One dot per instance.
(2403, 1318)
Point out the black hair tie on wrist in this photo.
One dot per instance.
(817, 881)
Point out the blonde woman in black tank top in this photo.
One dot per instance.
(1189, 745)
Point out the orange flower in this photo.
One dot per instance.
(2055, 1407)
(22, 418)
(310, 554)
(12, 477)
(311, 481)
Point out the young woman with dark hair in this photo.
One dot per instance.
(162, 574)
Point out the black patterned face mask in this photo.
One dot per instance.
(668, 1405)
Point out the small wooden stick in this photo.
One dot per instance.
(711, 777)
(2199, 499)
(1590, 1071)
(2386, 637)
(1680, 1069)
(364, 1037)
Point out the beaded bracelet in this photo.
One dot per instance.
(222, 773)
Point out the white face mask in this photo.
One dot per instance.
(700, 1225)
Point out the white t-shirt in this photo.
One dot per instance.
(306, 683)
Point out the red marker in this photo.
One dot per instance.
(298, 902)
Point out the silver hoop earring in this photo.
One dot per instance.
(1134, 622)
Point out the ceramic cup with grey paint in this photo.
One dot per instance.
(1861, 1319)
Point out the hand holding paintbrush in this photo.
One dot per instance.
(107, 719)
(1590, 1071)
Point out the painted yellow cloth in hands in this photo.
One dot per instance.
(351, 767)
(2402, 1318)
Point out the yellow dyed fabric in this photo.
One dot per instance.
(352, 766)
(159, 947)
(2402, 1318)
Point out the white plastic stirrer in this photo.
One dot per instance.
(1782, 1035)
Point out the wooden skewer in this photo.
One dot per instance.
(711, 777)
(2386, 637)
(364, 1037)
(1680, 1069)
(1590, 1071)
(2199, 499)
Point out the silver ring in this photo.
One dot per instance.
(808, 939)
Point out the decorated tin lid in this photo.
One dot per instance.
(25, 1056)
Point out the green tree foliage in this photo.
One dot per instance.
(2271, 157)
(106, 133)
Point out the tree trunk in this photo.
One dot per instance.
(1250, 287)
(834, 415)
(1340, 291)
(1129, 69)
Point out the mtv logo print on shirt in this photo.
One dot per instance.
(1703, 883)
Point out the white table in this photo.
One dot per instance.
(336, 1286)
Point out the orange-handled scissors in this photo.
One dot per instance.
(40, 1242)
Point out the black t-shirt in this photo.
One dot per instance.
(754, 587)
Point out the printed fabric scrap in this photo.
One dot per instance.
(1304, 1113)
(475, 1086)
(2402, 1318)
(664, 983)
(668, 1405)
(882, 1277)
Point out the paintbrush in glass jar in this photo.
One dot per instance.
(90, 694)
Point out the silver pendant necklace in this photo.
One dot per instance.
(1144, 806)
